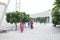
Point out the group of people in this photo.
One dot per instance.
(30, 25)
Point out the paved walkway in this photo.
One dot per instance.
(40, 32)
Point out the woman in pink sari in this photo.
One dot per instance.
(21, 27)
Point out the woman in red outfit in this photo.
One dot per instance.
(31, 24)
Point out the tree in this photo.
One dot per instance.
(16, 17)
(41, 19)
(26, 18)
(56, 13)
(13, 17)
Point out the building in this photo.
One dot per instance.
(46, 14)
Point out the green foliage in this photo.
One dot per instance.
(56, 13)
(26, 18)
(55, 21)
(57, 2)
(16, 17)
(41, 19)
(13, 17)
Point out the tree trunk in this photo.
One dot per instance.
(16, 26)
(54, 25)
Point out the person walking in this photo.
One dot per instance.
(21, 27)
(31, 24)
(28, 24)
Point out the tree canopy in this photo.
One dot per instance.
(16, 17)
(56, 13)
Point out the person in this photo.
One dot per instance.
(31, 24)
(21, 27)
(28, 24)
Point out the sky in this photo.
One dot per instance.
(30, 6)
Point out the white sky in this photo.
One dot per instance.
(31, 6)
